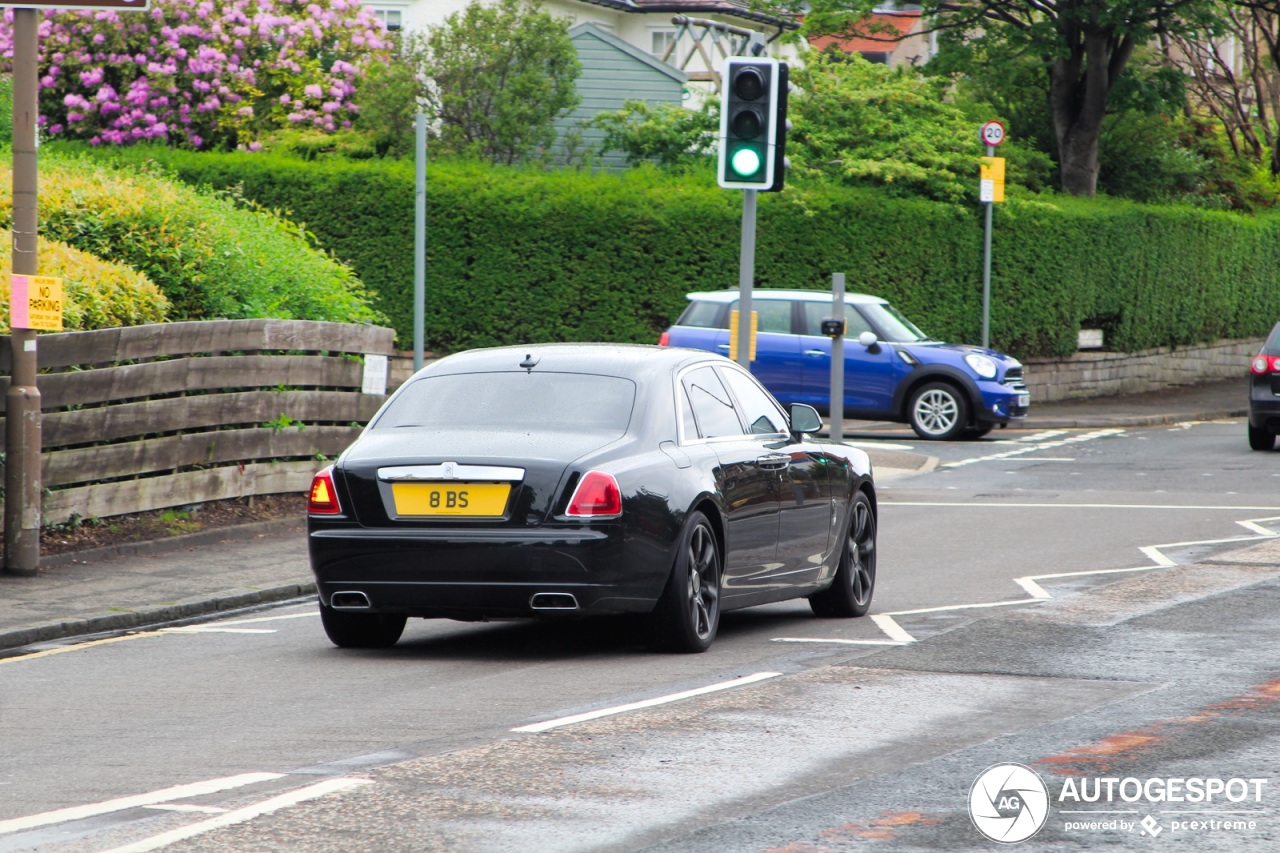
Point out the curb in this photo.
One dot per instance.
(1099, 421)
(157, 615)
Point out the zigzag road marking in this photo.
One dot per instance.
(897, 635)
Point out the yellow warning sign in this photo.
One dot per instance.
(992, 177)
(35, 302)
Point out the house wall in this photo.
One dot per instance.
(610, 76)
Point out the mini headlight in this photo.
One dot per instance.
(981, 365)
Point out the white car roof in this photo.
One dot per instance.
(801, 295)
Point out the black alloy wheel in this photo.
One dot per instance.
(850, 592)
(350, 630)
(938, 411)
(687, 615)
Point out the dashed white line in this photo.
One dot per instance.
(1035, 447)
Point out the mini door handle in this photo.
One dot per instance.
(817, 353)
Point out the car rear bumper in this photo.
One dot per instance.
(1264, 409)
(477, 575)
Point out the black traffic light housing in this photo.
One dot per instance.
(750, 119)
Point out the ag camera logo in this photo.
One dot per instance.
(1009, 803)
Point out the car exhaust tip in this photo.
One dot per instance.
(349, 601)
(553, 601)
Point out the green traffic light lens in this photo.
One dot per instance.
(745, 162)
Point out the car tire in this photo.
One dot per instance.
(687, 615)
(938, 411)
(348, 630)
(855, 581)
(1261, 438)
(977, 432)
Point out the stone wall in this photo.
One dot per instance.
(1101, 374)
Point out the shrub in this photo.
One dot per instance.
(97, 294)
(202, 73)
(211, 255)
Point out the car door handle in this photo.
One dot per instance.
(773, 461)
(724, 347)
(817, 353)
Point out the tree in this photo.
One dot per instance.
(1083, 47)
(201, 73)
(496, 77)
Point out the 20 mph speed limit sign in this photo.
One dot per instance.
(992, 133)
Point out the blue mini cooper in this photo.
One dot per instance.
(893, 371)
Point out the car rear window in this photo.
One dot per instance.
(704, 315)
(1273, 342)
(523, 400)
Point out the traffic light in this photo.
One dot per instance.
(749, 122)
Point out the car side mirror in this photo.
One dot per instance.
(867, 339)
(805, 420)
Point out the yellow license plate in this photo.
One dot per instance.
(473, 499)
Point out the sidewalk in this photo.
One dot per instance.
(186, 577)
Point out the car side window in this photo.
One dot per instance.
(762, 414)
(772, 315)
(712, 406)
(815, 312)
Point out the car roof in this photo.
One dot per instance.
(801, 295)
(635, 361)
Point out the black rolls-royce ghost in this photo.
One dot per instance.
(570, 479)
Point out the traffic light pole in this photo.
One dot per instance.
(746, 276)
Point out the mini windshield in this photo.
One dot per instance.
(524, 401)
(892, 324)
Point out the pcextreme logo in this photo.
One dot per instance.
(1009, 803)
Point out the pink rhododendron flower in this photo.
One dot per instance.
(184, 71)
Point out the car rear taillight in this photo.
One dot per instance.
(597, 496)
(1263, 364)
(664, 340)
(324, 499)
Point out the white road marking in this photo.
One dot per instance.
(1035, 447)
(187, 807)
(839, 642)
(215, 629)
(1003, 505)
(292, 798)
(178, 792)
(1030, 584)
(534, 728)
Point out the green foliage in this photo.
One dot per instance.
(519, 255)
(865, 124)
(500, 74)
(212, 254)
(669, 135)
(97, 294)
(6, 109)
(388, 107)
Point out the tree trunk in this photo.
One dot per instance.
(1079, 86)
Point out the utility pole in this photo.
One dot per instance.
(22, 483)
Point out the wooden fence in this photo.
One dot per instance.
(169, 415)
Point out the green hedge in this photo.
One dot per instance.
(518, 255)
